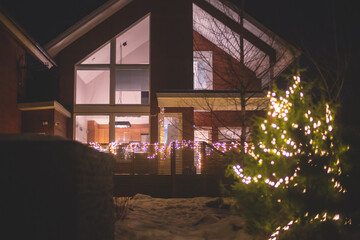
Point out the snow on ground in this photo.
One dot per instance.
(179, 218)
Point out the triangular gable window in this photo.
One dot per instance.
(101, 56)
(132, 46)
(127, 72)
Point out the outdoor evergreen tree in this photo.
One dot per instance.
(292, 171)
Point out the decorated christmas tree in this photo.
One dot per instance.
(292, 169)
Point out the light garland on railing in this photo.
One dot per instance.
(163, 151)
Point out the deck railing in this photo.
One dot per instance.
(176, 157)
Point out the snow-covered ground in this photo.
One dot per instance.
(179, 218)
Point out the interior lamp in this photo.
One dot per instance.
(122, 124)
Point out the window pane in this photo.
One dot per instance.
(132, 86)
(101, 56)
(132, 129)
(202, 135)
(171, 129)
(92, 129)
(228, 134)
(132, 47)
(92, 87)
(203, 74)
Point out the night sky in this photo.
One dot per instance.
(307, 23)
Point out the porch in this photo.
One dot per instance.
(175, 158)
(178, 169)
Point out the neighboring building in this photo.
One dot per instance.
(18, 51)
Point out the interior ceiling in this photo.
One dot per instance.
(141, 119)
(101, 56)
(136, 36)
(133, 119)
(99, 119)
(88, 76)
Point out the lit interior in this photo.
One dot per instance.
(92, 129)
(132, 86)
(132, 129)
(92, 87)
(131, 83)
(101, 56)
(203, 74)
(132, 47)
(228, 134)
(202, 135)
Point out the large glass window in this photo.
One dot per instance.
(92, 129)
(233, 133)
(115, 74)
(128, 71)
(92, 87)
(202, 135)
(101, 56)
(172, 129)
(132, 129)
(229, 133)
(132, 47)
(203, 74)
(132, 86)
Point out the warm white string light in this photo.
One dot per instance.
(315, 144)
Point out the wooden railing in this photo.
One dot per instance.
(176, 158)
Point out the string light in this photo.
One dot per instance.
(162, 151)
(305, 144)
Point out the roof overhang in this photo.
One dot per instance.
(33, 106)
(84, 25)
(212, 100)
(26, 40)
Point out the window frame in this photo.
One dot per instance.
(111, 109)
(207, 58)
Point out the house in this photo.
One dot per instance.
(139, 71)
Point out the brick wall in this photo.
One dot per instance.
(47, 121)
(12, 56)
(217, 119)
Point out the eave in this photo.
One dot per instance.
(33, 106)
(33, 47)
(212, 100)
(84, 25)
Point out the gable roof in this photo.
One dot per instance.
(31, 45)
(280, 52)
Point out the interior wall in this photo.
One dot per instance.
(80, 95)
(97, 91)
(81, 129)
(138, 53)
